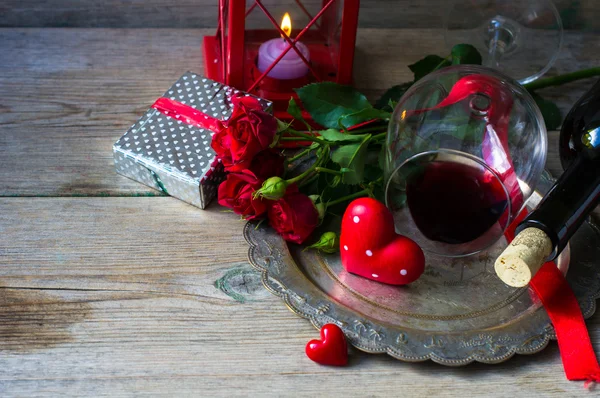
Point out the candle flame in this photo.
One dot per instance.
(286, 24)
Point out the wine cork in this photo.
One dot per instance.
(525, 255)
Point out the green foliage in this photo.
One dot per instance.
(391, 96)
(364, 115)
(328, 102)
(337, 136)
(427, 65)
(460, 54)
(295, 111)
(465, 54)
(352, 157)
(349, 164)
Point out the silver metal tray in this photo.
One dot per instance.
(456, 313)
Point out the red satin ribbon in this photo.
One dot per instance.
(576, 350)
(187, 114)
(191, 116)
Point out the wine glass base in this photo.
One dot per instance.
(522, 39)
(502, 35)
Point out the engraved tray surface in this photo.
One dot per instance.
(456, 313)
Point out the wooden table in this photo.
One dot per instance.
(109, 288)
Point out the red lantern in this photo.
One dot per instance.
(328, 39)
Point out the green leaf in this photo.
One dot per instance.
(427, 65)
(295, 111)
(465, 54)
(550, 112)
(326, 102)
(392, 95)
(336, 135)
(282, 126)
(363, 115)
(352, 156)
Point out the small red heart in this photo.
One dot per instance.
(331, 349)
(371, 248)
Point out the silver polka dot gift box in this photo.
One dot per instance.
(169, 148)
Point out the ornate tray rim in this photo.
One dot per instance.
(316, 315)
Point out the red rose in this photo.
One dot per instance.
(236, 193)
(267, 164)
(248, 131)
(294, 216)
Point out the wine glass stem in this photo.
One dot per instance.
(495, 48)
(502, 36)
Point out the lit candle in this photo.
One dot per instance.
(291, 66)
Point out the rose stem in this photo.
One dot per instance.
(358, 194)
(308, 137)
(378, 136)
(367, 130)
(299, 155)
(309, 170)
(308, 181)
(562, 79)
(324, 170)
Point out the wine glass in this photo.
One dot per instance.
(521, 38)
(465, 148)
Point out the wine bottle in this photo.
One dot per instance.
(544, 233)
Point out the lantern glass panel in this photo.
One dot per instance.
(322, 39)
(231, 56)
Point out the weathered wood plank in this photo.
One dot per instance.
(115, 296)
(203, 13)
(67, 94)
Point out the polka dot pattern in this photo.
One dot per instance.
(172, 156)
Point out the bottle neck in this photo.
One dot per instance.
(571, 199)
(581, 128)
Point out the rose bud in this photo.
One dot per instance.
(272, 189)
(320, 206)
(329, 242)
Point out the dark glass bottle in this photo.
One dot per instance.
(577, 192)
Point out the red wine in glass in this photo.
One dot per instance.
(453, 202)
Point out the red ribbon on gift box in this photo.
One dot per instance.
(187, 114)
(191, 116)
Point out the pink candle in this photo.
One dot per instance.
(291, 66)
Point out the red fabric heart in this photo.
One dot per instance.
(331, 349)
(371, 248)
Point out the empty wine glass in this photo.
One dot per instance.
(522, 39)
(465, 148)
